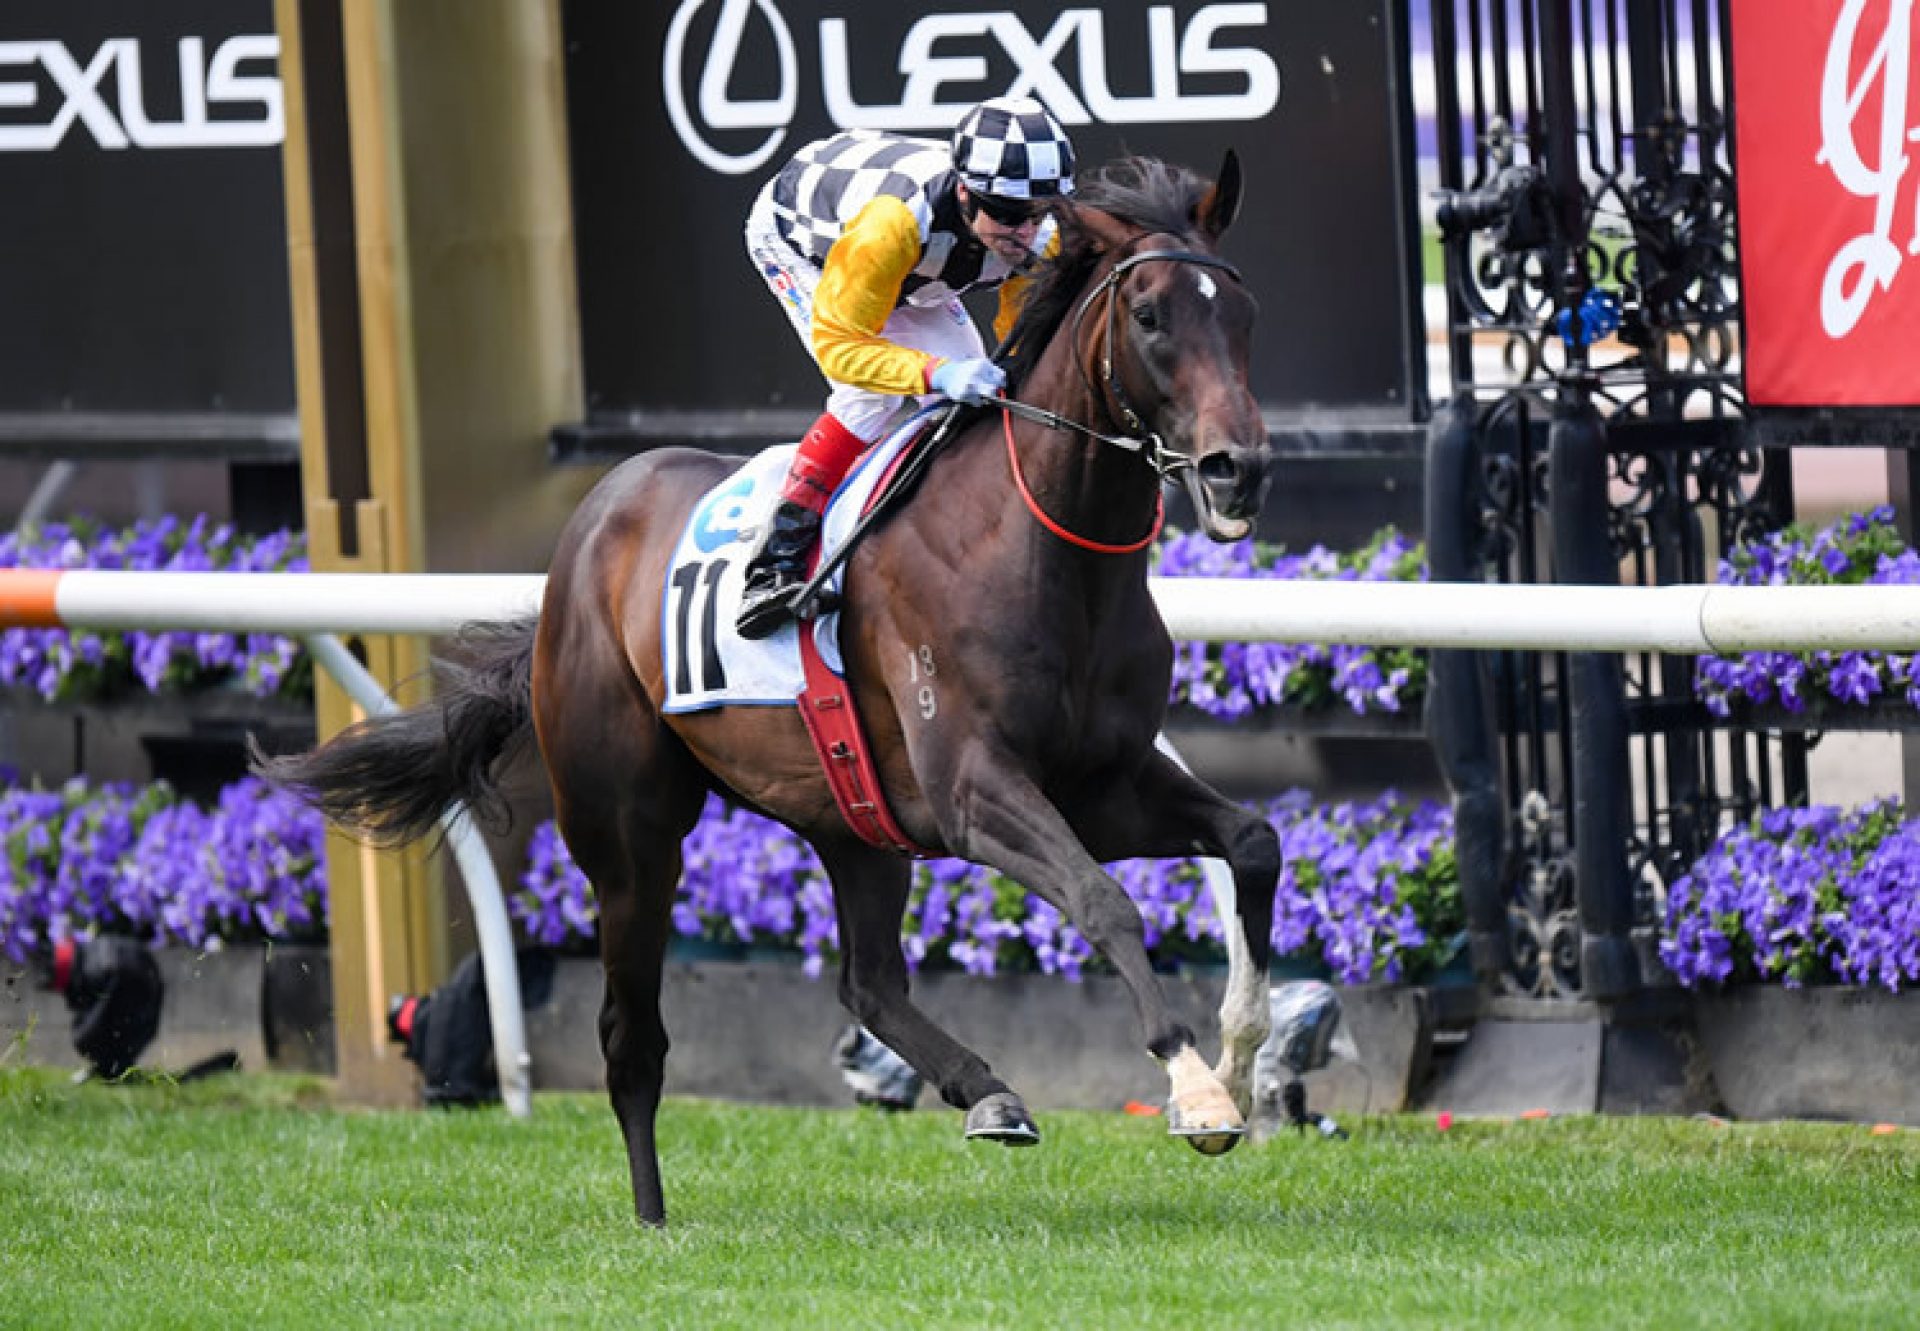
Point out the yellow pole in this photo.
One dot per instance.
(358, 438)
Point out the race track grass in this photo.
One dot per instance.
(253, 1203)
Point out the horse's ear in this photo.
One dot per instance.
(1221, 204)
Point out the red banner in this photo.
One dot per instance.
(1830, 239)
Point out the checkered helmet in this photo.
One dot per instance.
(1013, 148)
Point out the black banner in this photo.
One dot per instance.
(680, 111)
(143, 263)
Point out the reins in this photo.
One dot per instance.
(1148, 443)
(1071, 538)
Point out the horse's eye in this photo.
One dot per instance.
(1145, 315)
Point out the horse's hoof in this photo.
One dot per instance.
(1217, 1141)
(1002, 1118)
(1212, 1126)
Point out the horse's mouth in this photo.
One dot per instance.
(1226, 491)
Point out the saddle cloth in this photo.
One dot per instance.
(709, 665)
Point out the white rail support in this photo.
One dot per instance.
(500, 968)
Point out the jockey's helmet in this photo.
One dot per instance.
(1013, 148)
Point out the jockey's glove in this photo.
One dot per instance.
(969, 381)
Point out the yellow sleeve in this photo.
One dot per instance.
(1014, 292)
(858, 292)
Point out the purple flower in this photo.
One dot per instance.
(1372, 890)
(1801, 896)
(1233, 680)
(64, 665)
(1865, 548)
(84, 861)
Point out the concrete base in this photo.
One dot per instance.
(1508, 1068)
(1392, 1029)
(1846, 1054)
(211, 1005)
(761, 1031)
(1575, 1058)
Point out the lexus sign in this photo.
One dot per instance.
(143, 242)
(679, 112)
(936, 90)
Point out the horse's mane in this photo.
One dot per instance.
(1142, 192)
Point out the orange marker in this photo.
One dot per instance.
(27, 598)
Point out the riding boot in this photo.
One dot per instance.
(778, 567)
(777, 570)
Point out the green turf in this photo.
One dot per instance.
(254, 1203)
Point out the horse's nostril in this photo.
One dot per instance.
(1219, 468)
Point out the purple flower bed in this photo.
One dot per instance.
(1865, 548)
(1802, 896)
(1231, 680)
(63, 665)
(85, 860)
(1371, 890)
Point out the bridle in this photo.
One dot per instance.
(1147, 442)
(1164, 461)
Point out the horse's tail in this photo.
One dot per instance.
(389, 778)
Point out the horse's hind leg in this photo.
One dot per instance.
(870, 899)
(626, 793)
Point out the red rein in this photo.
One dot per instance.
(1033, 507)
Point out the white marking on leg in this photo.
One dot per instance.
(1246, 1017)
(1196, 1101)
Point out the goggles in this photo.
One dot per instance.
(1007, 212)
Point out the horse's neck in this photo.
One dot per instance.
(1098, 491)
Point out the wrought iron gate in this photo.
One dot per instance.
(1585, 194)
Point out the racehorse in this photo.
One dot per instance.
(1000, 643)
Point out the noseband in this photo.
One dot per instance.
(1164, 461)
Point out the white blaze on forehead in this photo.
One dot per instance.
(1207, 287)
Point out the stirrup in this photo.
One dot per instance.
(764, 615)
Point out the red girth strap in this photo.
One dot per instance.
(833, 724)
(826, 708)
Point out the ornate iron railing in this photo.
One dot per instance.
(1590, 243)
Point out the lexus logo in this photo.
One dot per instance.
(717, 109)
(943, 62)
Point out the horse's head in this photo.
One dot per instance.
(1165, 331)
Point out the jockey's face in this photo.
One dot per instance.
(1011, 241)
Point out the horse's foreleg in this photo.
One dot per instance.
(1000, 817)
(1173, 814)
(1176, 813)
(870, 898)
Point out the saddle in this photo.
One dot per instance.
(707, 665)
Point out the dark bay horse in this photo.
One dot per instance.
(1011, 675)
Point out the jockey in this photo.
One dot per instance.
(868, 240)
